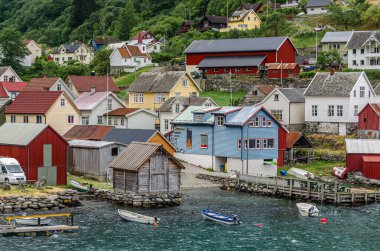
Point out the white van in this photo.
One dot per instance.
(11, 171)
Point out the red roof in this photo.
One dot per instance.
(376, 108)
(291, 138)
(33, 102)
(3, 93)
(122, 111)
(371, 158)
(142, 35)
(84, 83)
(40, 84)
(284, 66)
(87, 132)
(129, 51)
(14, 86)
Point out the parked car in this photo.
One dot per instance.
(11, 171)
(310, 68)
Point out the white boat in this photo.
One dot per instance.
(78, 186)
(301, 174)
(306, 209)
(221, 218)
(33, 221)
(139, 218)
(340, 172)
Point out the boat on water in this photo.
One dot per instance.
(306, 209)
(139, 218)
(221, 218)
(300, 173)
(33, 222)
(78, 186)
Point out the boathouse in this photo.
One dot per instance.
(39, 149)
(146, 168)
(91, 158)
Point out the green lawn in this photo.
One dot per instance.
(223, 98)
(318, 168)
(86, 181)
(306, 41)
(129, 78)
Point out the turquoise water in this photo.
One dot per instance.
(182, 228)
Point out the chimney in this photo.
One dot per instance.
(332, 71)
(93, 90)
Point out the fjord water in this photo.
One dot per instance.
(182, 228)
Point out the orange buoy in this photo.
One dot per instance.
(323, 221)
(259, 225)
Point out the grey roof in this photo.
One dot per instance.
(20, 134)
(358, 38)
(338, 85)
(70, 48)
(3, 69)
(336, 37)
(126, 136)
(156, 81)
(239, 13)
(368, 146)
(236, 45)
(89, 143)
(318, 3)
(231, 61)
(294, 95)
(185, 101)
(377, 88)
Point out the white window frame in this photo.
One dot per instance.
(100, 120)
(361, 91)
(63, 101)
(184, 83)
(331, 111)
(166, 124)
(200, 141)
(314, 110)
(38, 119)
(356, 110)
(219, 121)
(70, 119)
(339, 110)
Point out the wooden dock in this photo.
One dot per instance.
(36, 229)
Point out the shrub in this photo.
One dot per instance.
(307, 74)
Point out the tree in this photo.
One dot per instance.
(81, 11)
(275, 23)
(12, 48)
(327, 58)
(372, 16)
(101, 62)
(127, 19)
(348, 17)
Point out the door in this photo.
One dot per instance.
(158, 182)
(48, 170)
(342, 129)
(48, 155)
(158, 173)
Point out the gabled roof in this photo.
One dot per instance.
(374, 106)
(358, 38)
(87, 132)
(318, 3)
(142, 34)
(266, 89)
(370, 146)
(88, 100)
(336, 37)
(33, 102)
(85, 83)
(40, 84)
(159, 82)
(216, 19)
(69, 48)
(231, 61)
(250, 6)
(126, 136)
(294, 95)
(240, 14)
(129, 51)
(3, 93)
(3, 69)
(283, 66)
(338, 85)
(128, 112)
(185, 101)
(236, 45)
(13, 86)
(90, 143)
(20, 133)
(297, 139)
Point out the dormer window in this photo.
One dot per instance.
(199, 118)
(177, 108)
(220, 121)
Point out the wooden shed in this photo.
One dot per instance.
(146, 168)
(91, 158)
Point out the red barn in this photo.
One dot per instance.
(274, 49)
(364, 155)
(40, 150)
(369, 122)
(283, 70)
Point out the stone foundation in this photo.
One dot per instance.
(330, 127)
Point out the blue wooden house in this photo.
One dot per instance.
(97, 43)
(249, 140)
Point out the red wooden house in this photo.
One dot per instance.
(369, 122)
(214, 53)
(39, 149)
(283, 70)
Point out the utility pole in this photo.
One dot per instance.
(227, 9)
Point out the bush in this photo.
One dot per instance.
(307, 74)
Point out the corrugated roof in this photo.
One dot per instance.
(134, 156)
(292, 137)
(336, 37)
(126, 136)
(122, 111)
(85, 83)
(20, 134)
(33, 102)
(87, 101)
(243, 115)
(358, 38)
(338, 85)
(266, 89)
(238, 61)
(185, 101)
(283, 66)
(318, 3)
(40, 84)
(87, 132)
(187, 116)
(236, 45)
(371, 159)
(89, 143)
(14, 86)
(294, 95)
(370, 146)
(226, 109)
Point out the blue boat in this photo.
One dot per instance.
(221, 218)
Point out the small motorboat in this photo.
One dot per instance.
(300, 173)
(221, 218)
(340, 172)
(78, 186)
(139, 218)
(306, 209)
(33, 222)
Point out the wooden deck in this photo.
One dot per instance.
(35, 229)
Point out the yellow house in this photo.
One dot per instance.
(242, 20)
(54, 108)
(151, 89)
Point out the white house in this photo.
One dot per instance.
(364, 50)
(34, 51)
(93, 105)
(146, 38)
(337, 40)
(73, 51)
(333, 100)
(290, 4)
(129, 58)
(7, 74)
(317, 7)
(131, 118)
(175, 105)
(287, 105)
(49, 84)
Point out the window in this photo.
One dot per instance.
(62, 102)
(220, 121)
(314, 110)
(249, 69)
(369, 94)
(59, 87)
(13, 119)
(204, 141)
(198, 117)
(138, 98)
(237, 69)
(353, 62)
(109, 121)
(339, 110)
(354, 93)
(157, 113)
(100, 120)
(122, 121)
(268, 143)
(115, 121)
(356, 110)
(361, 62)
(85, 120)
(257, 144)
(109, 104)
(361, 51)
(70, 119)
(362, 91)
(178, 94)
(239, 144)
(26, 119)
(269, 123)
(159, 98)
(276, 97)
(13, 95)
(254, 93)
(257, 121)
(354, 51)
(277, 114)
(38, 119)
(251, 123)
(226, 70)
(331, 111)
(166, 124)
(216, 69)
(264, 121)
(114, 151)
(5, 78)
(176, 108)
(184, 82)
